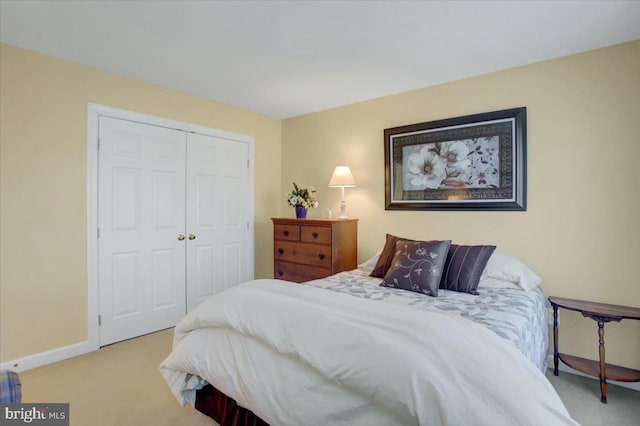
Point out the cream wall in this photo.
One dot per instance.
(581, 231)
(43, 128)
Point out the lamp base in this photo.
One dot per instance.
(343, 208)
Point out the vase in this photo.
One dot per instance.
(301, 212)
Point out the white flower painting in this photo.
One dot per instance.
(476, 163)
(426, 169)
(460, 164)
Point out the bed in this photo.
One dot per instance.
(345, 350)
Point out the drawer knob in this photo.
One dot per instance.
(280, 250)
(280, 272)
(314, 235)
(286, 233)
(321, 256)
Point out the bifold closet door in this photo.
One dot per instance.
(217, 221)
(141, 217)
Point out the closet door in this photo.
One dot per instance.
(141, 216)
(217, 222)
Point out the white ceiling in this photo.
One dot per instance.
(287, 58)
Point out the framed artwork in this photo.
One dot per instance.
(476, 162)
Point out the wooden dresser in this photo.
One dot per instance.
(307, 249)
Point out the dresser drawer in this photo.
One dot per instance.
(286, 232)
(315, 234)
(308, 254)
(298, 273)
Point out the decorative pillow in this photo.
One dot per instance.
(464, 266)
(384, 261)
(417, 266)
(507, 268)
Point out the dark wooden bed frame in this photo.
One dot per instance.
(224, 409)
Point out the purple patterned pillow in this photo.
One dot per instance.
(464, 266)
(417, 266)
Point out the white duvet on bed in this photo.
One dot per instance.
(302, 355)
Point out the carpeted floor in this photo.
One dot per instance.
(121, 385)
(581, 396)
(118, 385)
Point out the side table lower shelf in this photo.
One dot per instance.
(592, 368)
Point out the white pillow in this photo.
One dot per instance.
(493, 283)
(503, 267)
(371, 263)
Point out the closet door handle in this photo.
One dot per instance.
(191, 237)
(180, 237)
(280, 250)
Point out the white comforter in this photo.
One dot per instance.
(301, 355)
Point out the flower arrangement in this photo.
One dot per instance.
(302, 197)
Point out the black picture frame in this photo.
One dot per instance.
(477, 163)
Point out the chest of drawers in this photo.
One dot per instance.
(308, 249)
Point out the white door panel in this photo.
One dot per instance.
(141, 198)
(217, 193)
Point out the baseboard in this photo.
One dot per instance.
(48, 357)
(565, 368)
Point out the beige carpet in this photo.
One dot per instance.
(117, 385)
(121, 385)
(581, 396)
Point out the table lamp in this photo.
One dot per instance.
(342, 178)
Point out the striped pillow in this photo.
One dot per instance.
(463, 267)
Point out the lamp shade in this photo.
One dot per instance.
(342, 177)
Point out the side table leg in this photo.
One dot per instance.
(603, 374)
(555, 340)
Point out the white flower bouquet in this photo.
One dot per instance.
(302, 197)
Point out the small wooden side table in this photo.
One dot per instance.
(601, 313)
